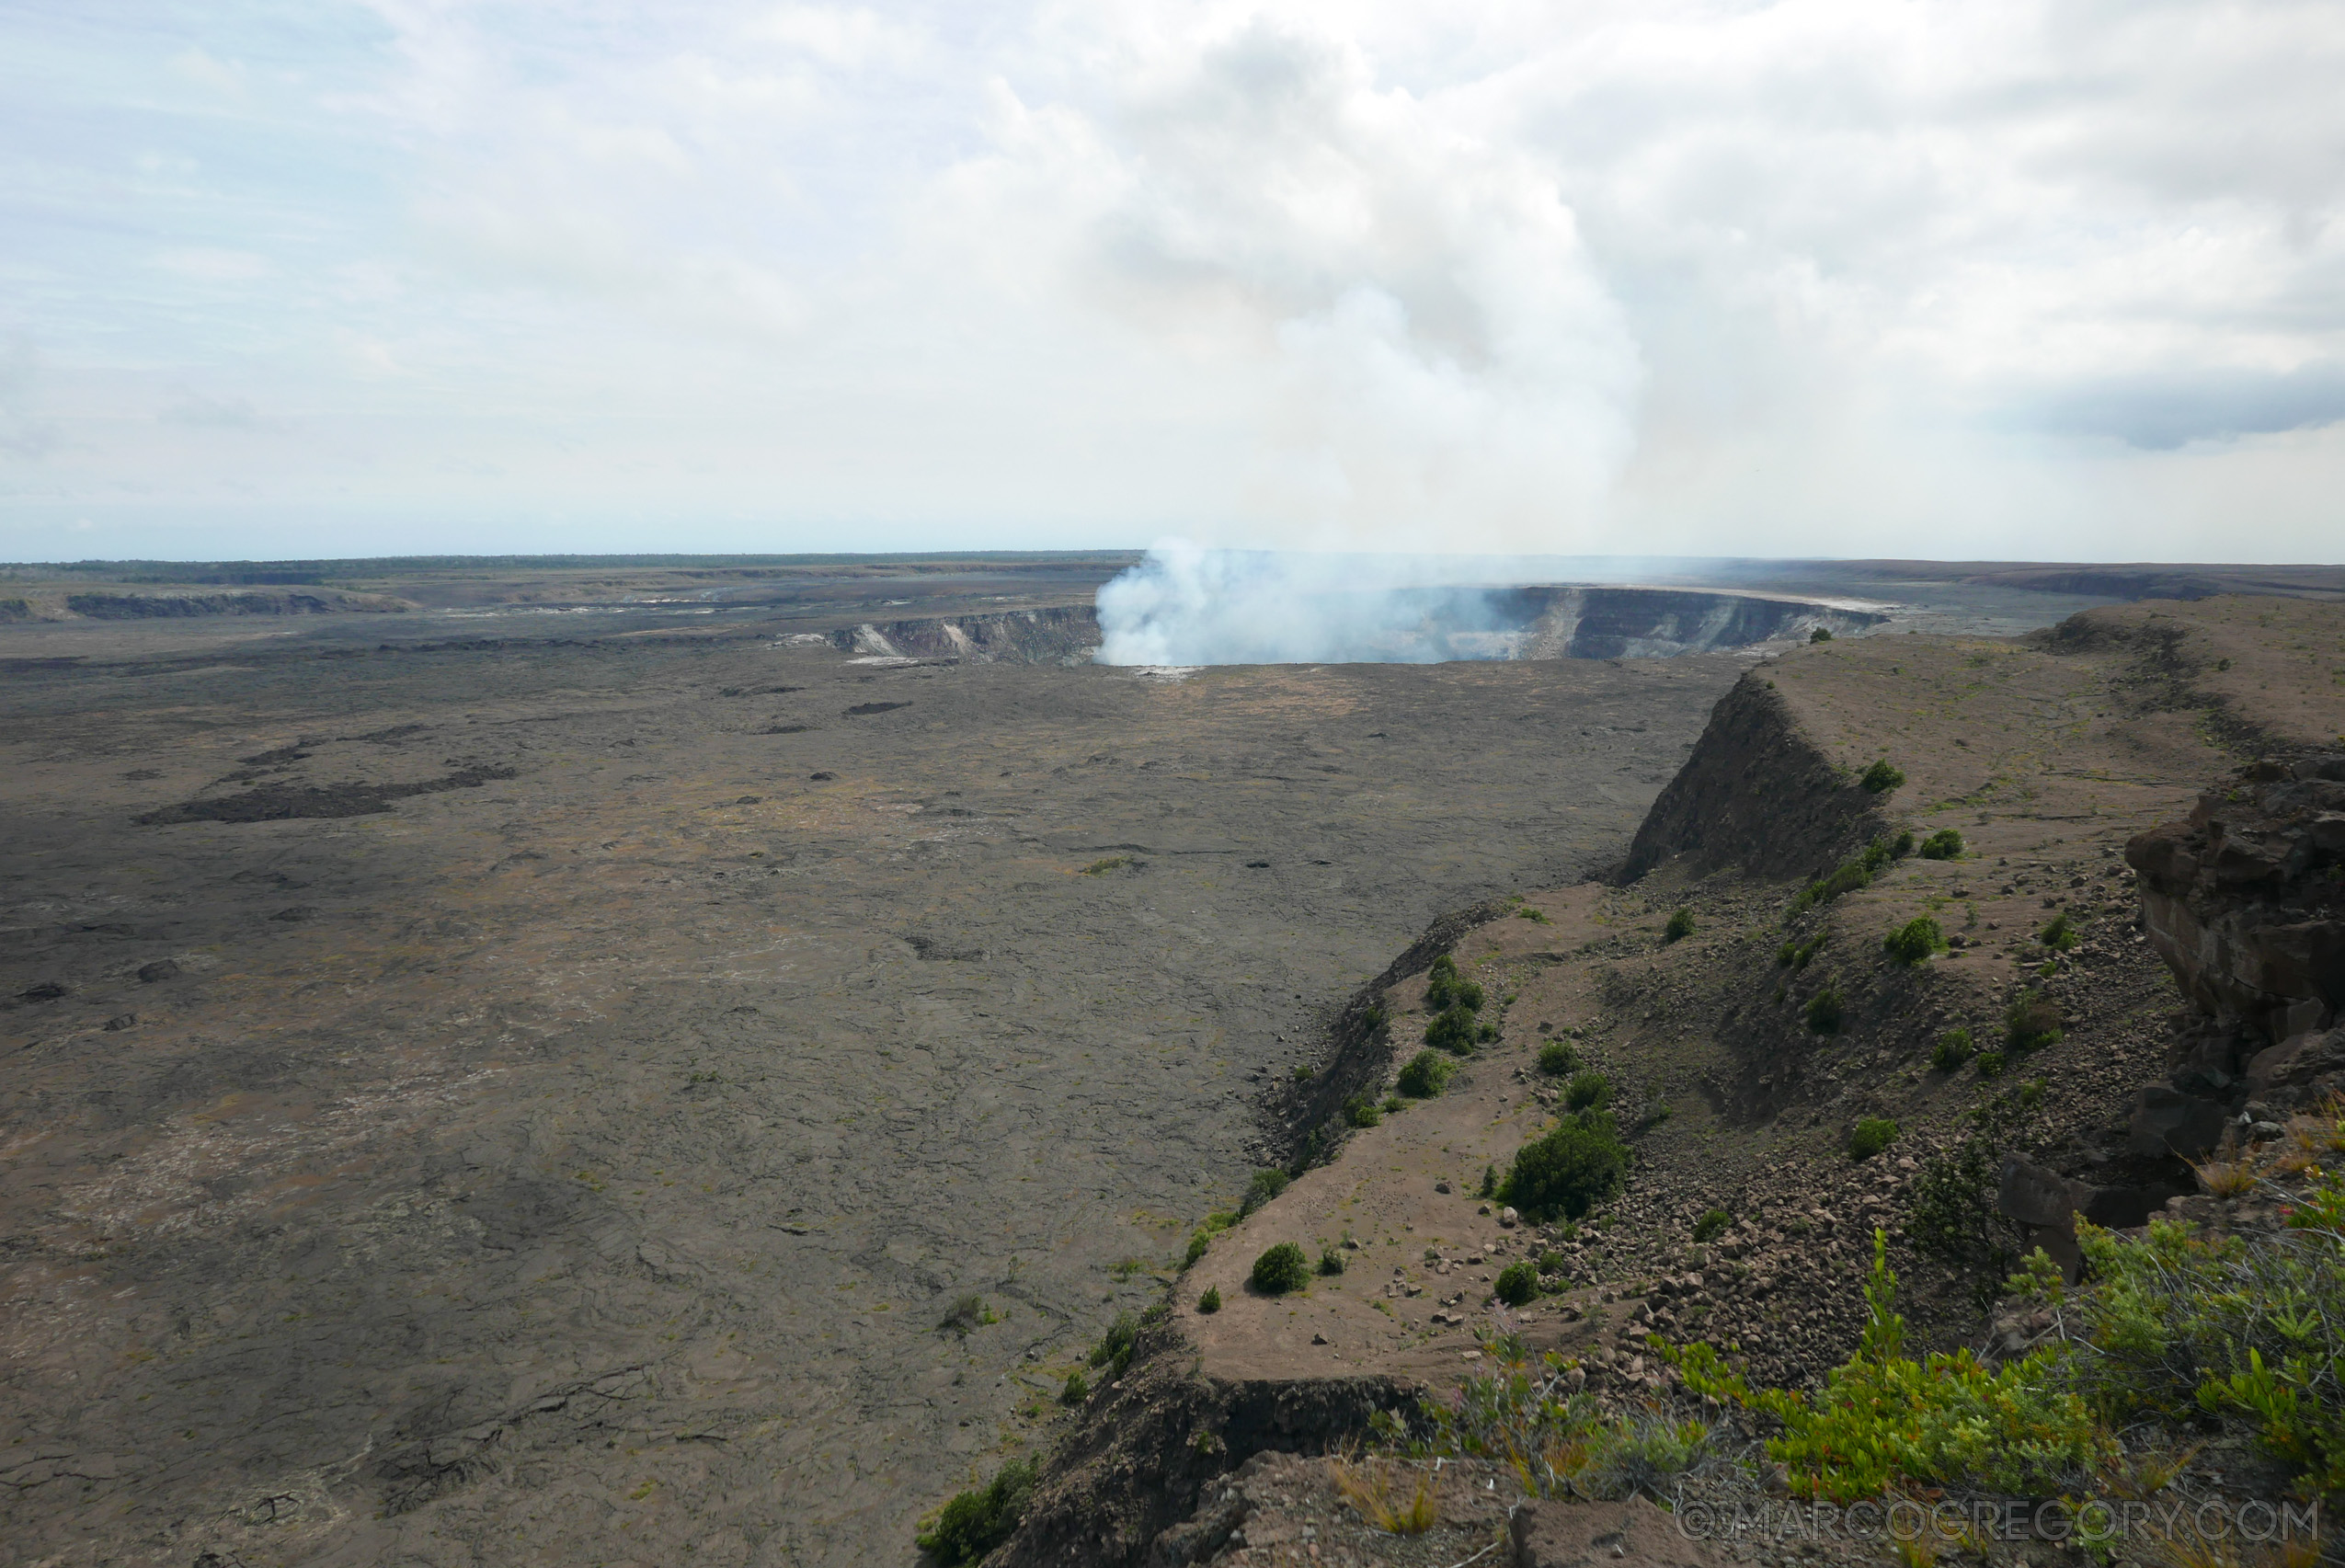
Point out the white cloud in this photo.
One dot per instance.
(1793, 276)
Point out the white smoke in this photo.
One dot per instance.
(1186, 604)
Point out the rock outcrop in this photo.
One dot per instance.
(2244, 901)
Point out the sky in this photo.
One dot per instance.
(1820, 276)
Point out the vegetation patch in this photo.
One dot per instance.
(1588, 1090)
(976, 1521)
(1713, 1225)
(1881, 777)
(1281, 1270)
(1557, 1058)
(1944, 844)
(1915, 941)
(1517, 1283)
(2032, 1021)
(1953, 1050)
(1569, 1171)
(1872, 1135)
(1426, 1075)
(1824, 1011)
(1681, 926)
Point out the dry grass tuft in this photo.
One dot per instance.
(2228, 1173)
(1374, 1487)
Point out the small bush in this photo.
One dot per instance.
(1281, 1270)
(974, 1522)
(2032, 1021)
(1796, 956)
(1517, 1284)
(1944, 844)
(1681, 926)
(1915, 941)
(1202, 1236)
(1266, 1185)
(1331, 1261)
(968, 1312)
(1821, 635)
(1589, 1090)
(1824, 1011)
(1445, 989)
(1302, 1075)
(1581, 1163)
(1076, 1390)
(1953, 1050)
(1850, 875)
(1881, 778)
(1362, 1112)
(1557, 1058)
(1453, 1031)
(1427, 1075)
(1874, 1134)
(2060, 935)
(1552, 1262)
(1947, 1421)
(1489, 1188)
(1210, 1302)
(1990, 1064)
(1901, 846)
(1115, 1347)
(1713, 1225)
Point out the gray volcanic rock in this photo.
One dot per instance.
(2244, 901)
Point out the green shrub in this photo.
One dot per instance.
(1990, 1064)
(1901, 846)
(1445, 989)
(1115, 1347)
(1881, 778)
(2059, 934)
(1913, 942)
(2032, 1021)
(1855, 872)
(1796, 956)
(1588, 1090)
(1681, 925)
(1210, 1302)
(1821, 635)
(1552, 1262)
(1953, 1050)
(1883, 1419)
(1076, 1390)
(1711, 1225)
(1557, 1058)
(1569, 1171)
(1874, 1134)
(974, 1522)
(1824, 1011)
(1517, 1284)
(1944, 844)
(1302, 1075)
(1485, 1032)
(1202, 1236)
(1453, 1031)
(1331, 1261)
(1362, 1112)
(1489, 1188)
(1281, 1270)
(1266, 1185)
(2241, 1326)
(1953, 1217)
(1426, 1075)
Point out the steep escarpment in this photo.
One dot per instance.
(1757, 794)
(1059, 634)
(2244, 901)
